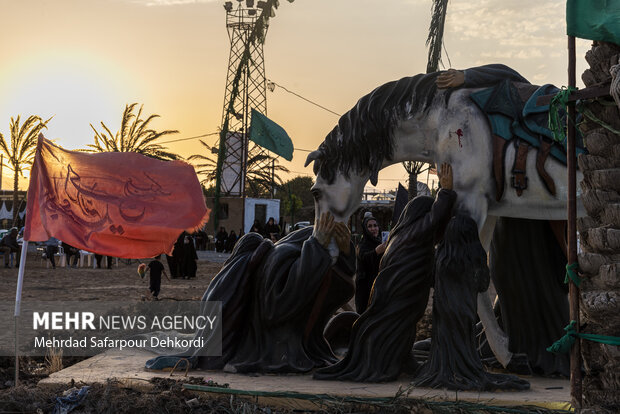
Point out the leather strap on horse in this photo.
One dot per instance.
(499, 149)
(519, 180)
(541, 157)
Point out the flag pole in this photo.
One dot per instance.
(18, 302)
(575, 354)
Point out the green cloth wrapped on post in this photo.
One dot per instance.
(564, 344)
(594, 20)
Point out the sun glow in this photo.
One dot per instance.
(75, 94)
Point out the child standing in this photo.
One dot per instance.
(156, 268)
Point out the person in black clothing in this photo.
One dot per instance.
(369, 254)
(256, 227)
(201, 240)
(99, 257)
(51, 248)
(461, 272)
(70, 252)
(230, 242)
(156, 268)
(380, 347)
(188, 258)
(220, 239)
(174, 261)
(9, 245)
(272, 230)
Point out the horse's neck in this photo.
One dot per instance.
(414, 140)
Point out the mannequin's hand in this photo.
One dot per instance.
(343, 237)
(324, 229)
(451, 78)
(445, 176)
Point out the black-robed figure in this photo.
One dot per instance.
(382, 338)
(368, 256)
(187, 263)
(528, 268)
(461, 272)
(276, 301)
(174, 261)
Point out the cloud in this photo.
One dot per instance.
(513, 54)
(510, 23)
(171, 2)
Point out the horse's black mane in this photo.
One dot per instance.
(363, 138)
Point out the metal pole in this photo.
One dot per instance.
(18, 302)
(575, 354)
(246, 137)
(273, 177)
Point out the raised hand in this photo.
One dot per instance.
(343, 237)
(445, 176)
(451, 78)
(380, 249)
(324, 229)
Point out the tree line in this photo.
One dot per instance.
(137, 135)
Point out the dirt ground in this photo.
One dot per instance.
(122, 282)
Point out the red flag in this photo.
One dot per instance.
(120, 204)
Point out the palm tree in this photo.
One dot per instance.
(414, 168)
(207, 166)
(20, 152)
(258, 178)
(435, 35)
(134, 135)
(434, 42)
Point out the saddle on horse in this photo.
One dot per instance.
(514, 118)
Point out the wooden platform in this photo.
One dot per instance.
(128, 367)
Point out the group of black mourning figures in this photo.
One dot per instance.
(278, 298)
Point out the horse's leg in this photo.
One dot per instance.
(498, 340)
(486, 231)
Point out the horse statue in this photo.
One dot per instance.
(412, 119)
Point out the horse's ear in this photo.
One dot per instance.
(374, 177)
(312, 156)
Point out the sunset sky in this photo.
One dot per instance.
(81, 61)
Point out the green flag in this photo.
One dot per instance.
(270, 135)
(594, 20)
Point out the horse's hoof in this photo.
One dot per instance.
(519, 364)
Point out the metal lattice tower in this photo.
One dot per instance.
(251, 94)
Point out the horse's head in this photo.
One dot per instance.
(335, 191)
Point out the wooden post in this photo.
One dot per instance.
(575, 354)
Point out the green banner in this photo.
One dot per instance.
(270, 135)
(594, 20)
